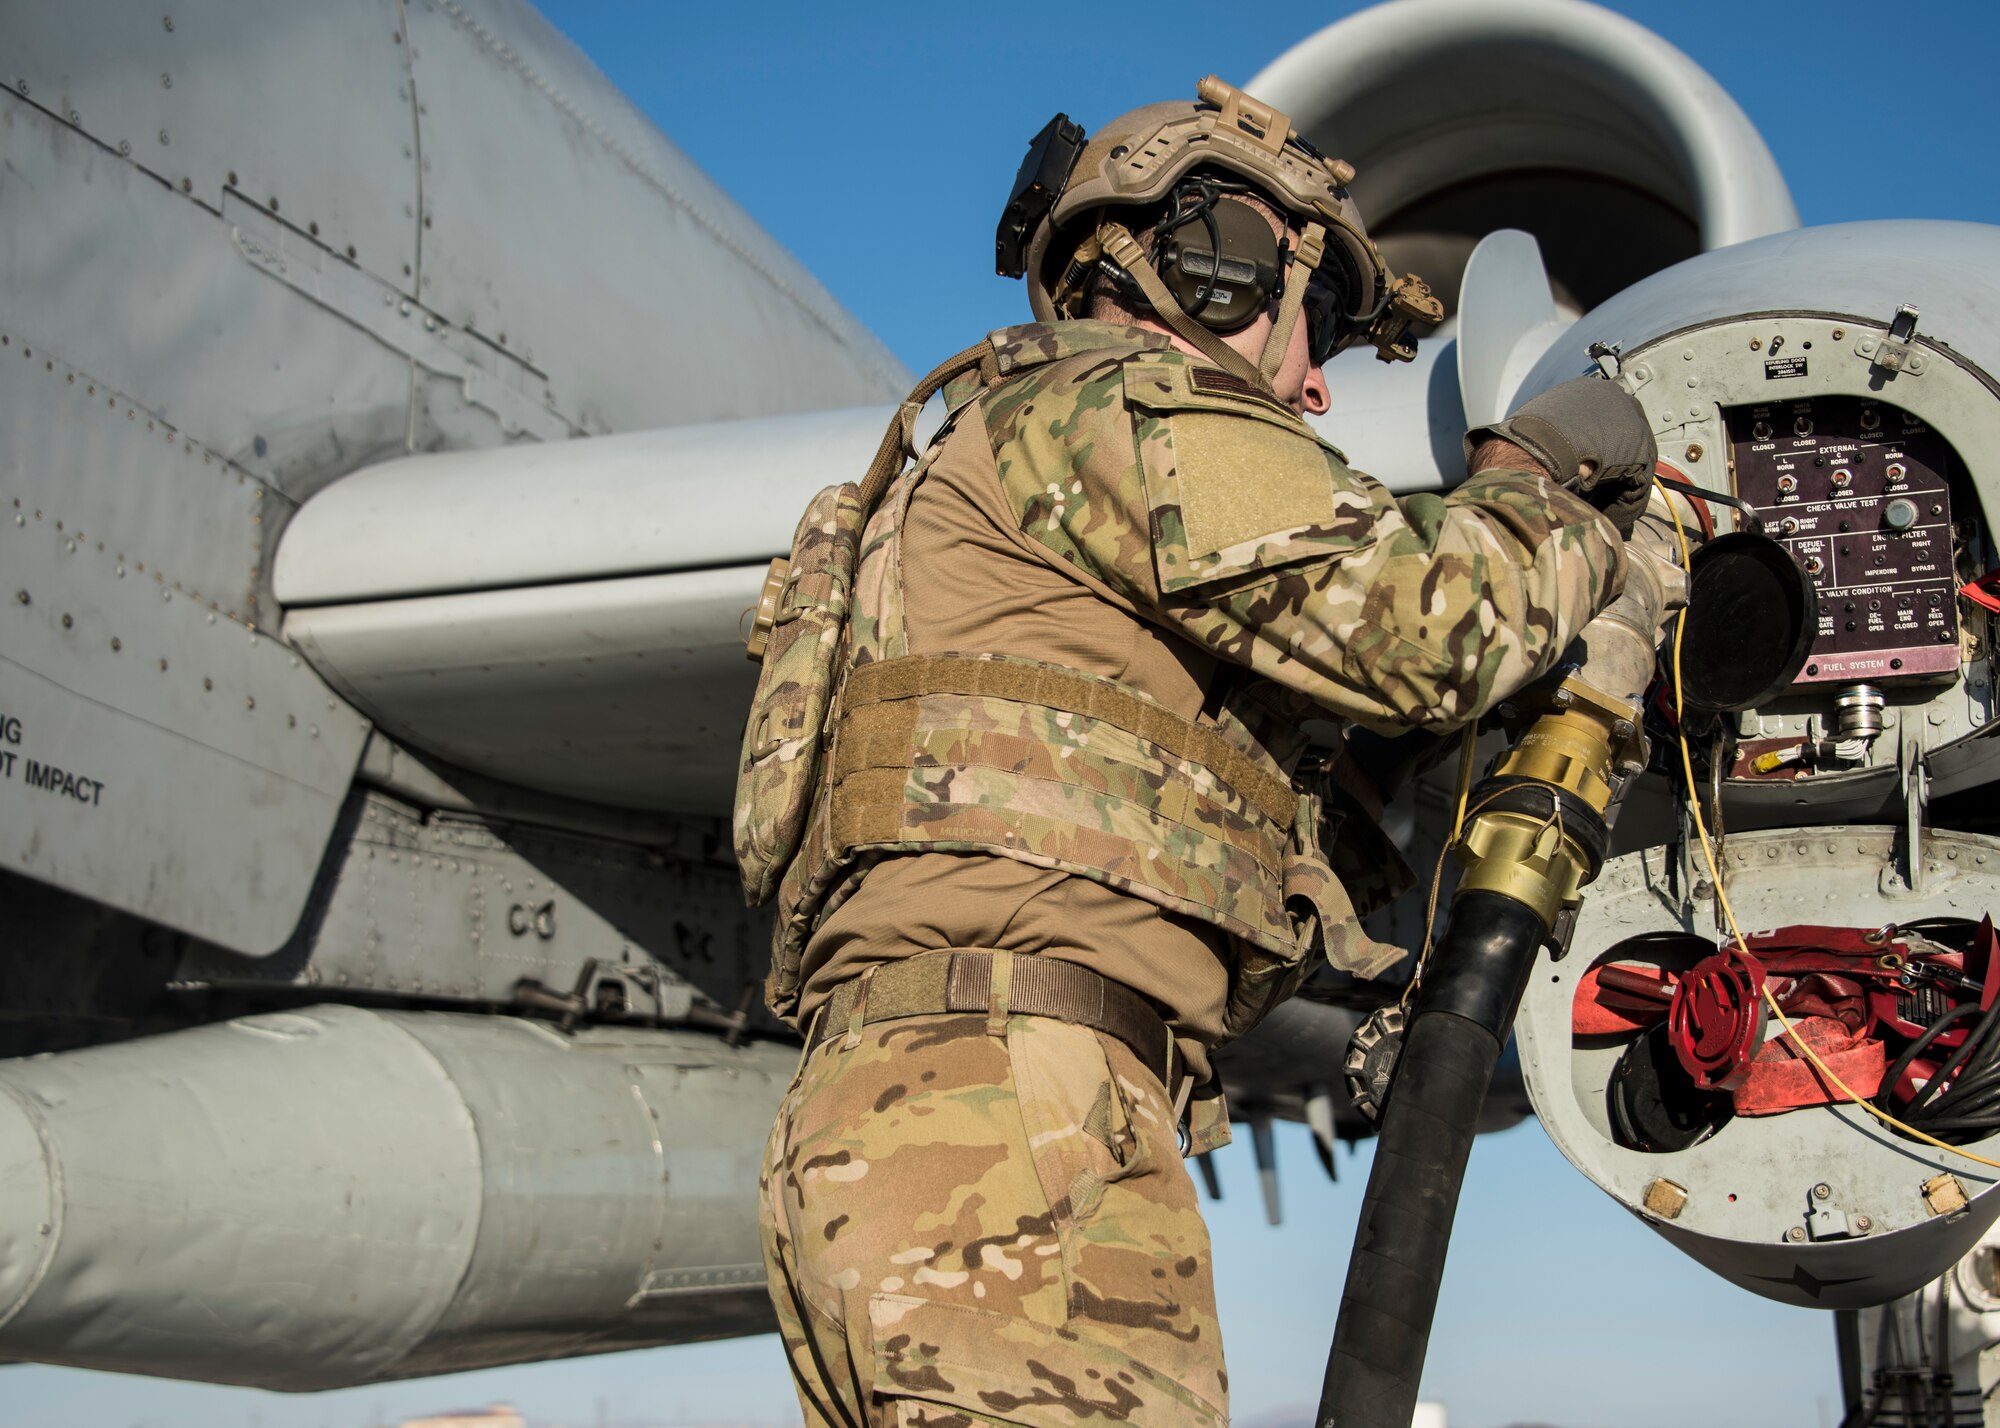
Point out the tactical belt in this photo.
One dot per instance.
(937, 982)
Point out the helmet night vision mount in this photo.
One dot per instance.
(1214, 262)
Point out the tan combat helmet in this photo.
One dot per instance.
(1063, 224)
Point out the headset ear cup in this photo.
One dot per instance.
(1222, 290)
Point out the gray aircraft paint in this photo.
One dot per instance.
(246, 253)
(279, 328)
(213, 313)
(422, 1193)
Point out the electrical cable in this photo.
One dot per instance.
(1676, 479)
(1917, 1047)
(1729, 913)
(1954, 1068)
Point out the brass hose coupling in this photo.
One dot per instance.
(1538, 831)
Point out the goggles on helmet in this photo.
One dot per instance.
(1325, 311)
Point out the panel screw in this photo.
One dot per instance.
(1863, 1224)
(1757, 345)
(1797, 1233)
(125, 147)
(1822, 1191)
(163, 136)
(115, 645)
(1838, 333)
(168, 21)
(1694, 451)
(22, 596)
(67, 622)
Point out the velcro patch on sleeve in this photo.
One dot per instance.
(1243, 479)
(1236, 483)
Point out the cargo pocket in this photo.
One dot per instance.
(939, 1364)
(1078, 1118)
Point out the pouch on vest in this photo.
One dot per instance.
(803, 626)
(784, 738)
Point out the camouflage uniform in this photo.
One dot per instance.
(964, 1228)
(1108, 508)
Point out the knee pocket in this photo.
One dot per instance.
(942, 1365)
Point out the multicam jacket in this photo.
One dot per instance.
(1217, 514)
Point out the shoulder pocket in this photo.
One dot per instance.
(1235, 483)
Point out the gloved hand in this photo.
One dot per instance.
(1586, 421)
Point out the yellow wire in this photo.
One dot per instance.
(1729, 913)
(1431, 910)
(1467, 742)
(1468, 746)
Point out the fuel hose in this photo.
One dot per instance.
(1539, 831)
(1464, 1010)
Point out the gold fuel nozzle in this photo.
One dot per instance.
(1538, 831)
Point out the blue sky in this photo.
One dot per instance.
(877, 145)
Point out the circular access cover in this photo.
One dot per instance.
(1749, 623)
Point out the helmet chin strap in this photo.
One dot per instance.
(1305, 258)
(1126, 251)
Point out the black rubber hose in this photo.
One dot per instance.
(1886, 1098)
(1461, 1020)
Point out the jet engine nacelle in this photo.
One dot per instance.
(1616, 152)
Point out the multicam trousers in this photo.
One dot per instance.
(969, 1229)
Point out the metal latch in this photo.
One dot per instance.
(1894, 353)
(1916, 781)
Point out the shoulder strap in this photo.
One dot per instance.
(1124, 250)
(1298, 274)
(899, 440)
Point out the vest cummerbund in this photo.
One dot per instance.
(1031, 761)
